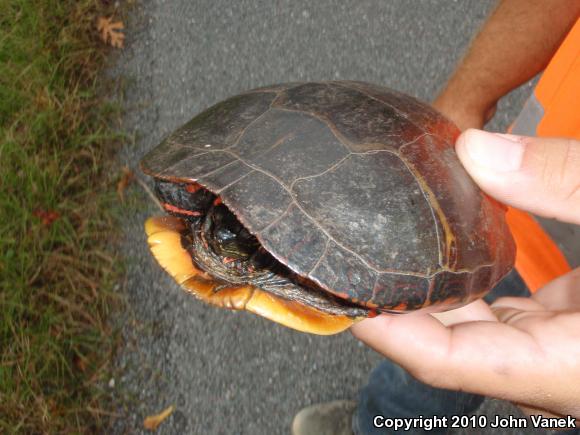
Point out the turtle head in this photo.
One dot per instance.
(209, 253)
(228, 238)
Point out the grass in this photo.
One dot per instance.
(57, 259)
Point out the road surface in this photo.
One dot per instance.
(235, 373)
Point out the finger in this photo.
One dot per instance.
(477, 310)
(538, 411)
(480, 357)
(409, 340)
(561, 294)
(536, 174)
(511, 309)
(523, 319)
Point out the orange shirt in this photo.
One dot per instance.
(553, 110)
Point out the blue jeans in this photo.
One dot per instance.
(392, 392)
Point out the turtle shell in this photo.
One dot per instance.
(353, 185)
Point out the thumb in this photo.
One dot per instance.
(540, 175)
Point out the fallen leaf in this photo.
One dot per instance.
(53, 406)
(111, 31)
(80, 363)
(47, 217)
(153, 421)
(124, 181)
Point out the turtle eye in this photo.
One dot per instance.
(228, 237)
(224, 235)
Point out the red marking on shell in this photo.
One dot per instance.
(192, 188)
(217, 201)
(372, 313)
(174, 209)
(494, 201)
(402, 306)
(228, 260)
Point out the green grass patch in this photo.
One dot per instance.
(57, 260)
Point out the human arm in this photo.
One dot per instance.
(515, 43)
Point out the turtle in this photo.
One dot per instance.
(318, 204)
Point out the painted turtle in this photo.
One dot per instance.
(317, 204)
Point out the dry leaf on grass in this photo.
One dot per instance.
(124, 181)
(47, 217)
(153, 421)
(80, 363)
(111, 31)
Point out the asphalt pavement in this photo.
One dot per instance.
(229, 372)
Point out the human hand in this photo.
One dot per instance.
(525, 350)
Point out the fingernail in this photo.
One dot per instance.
(493, 151)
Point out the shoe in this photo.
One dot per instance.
(330, 418)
